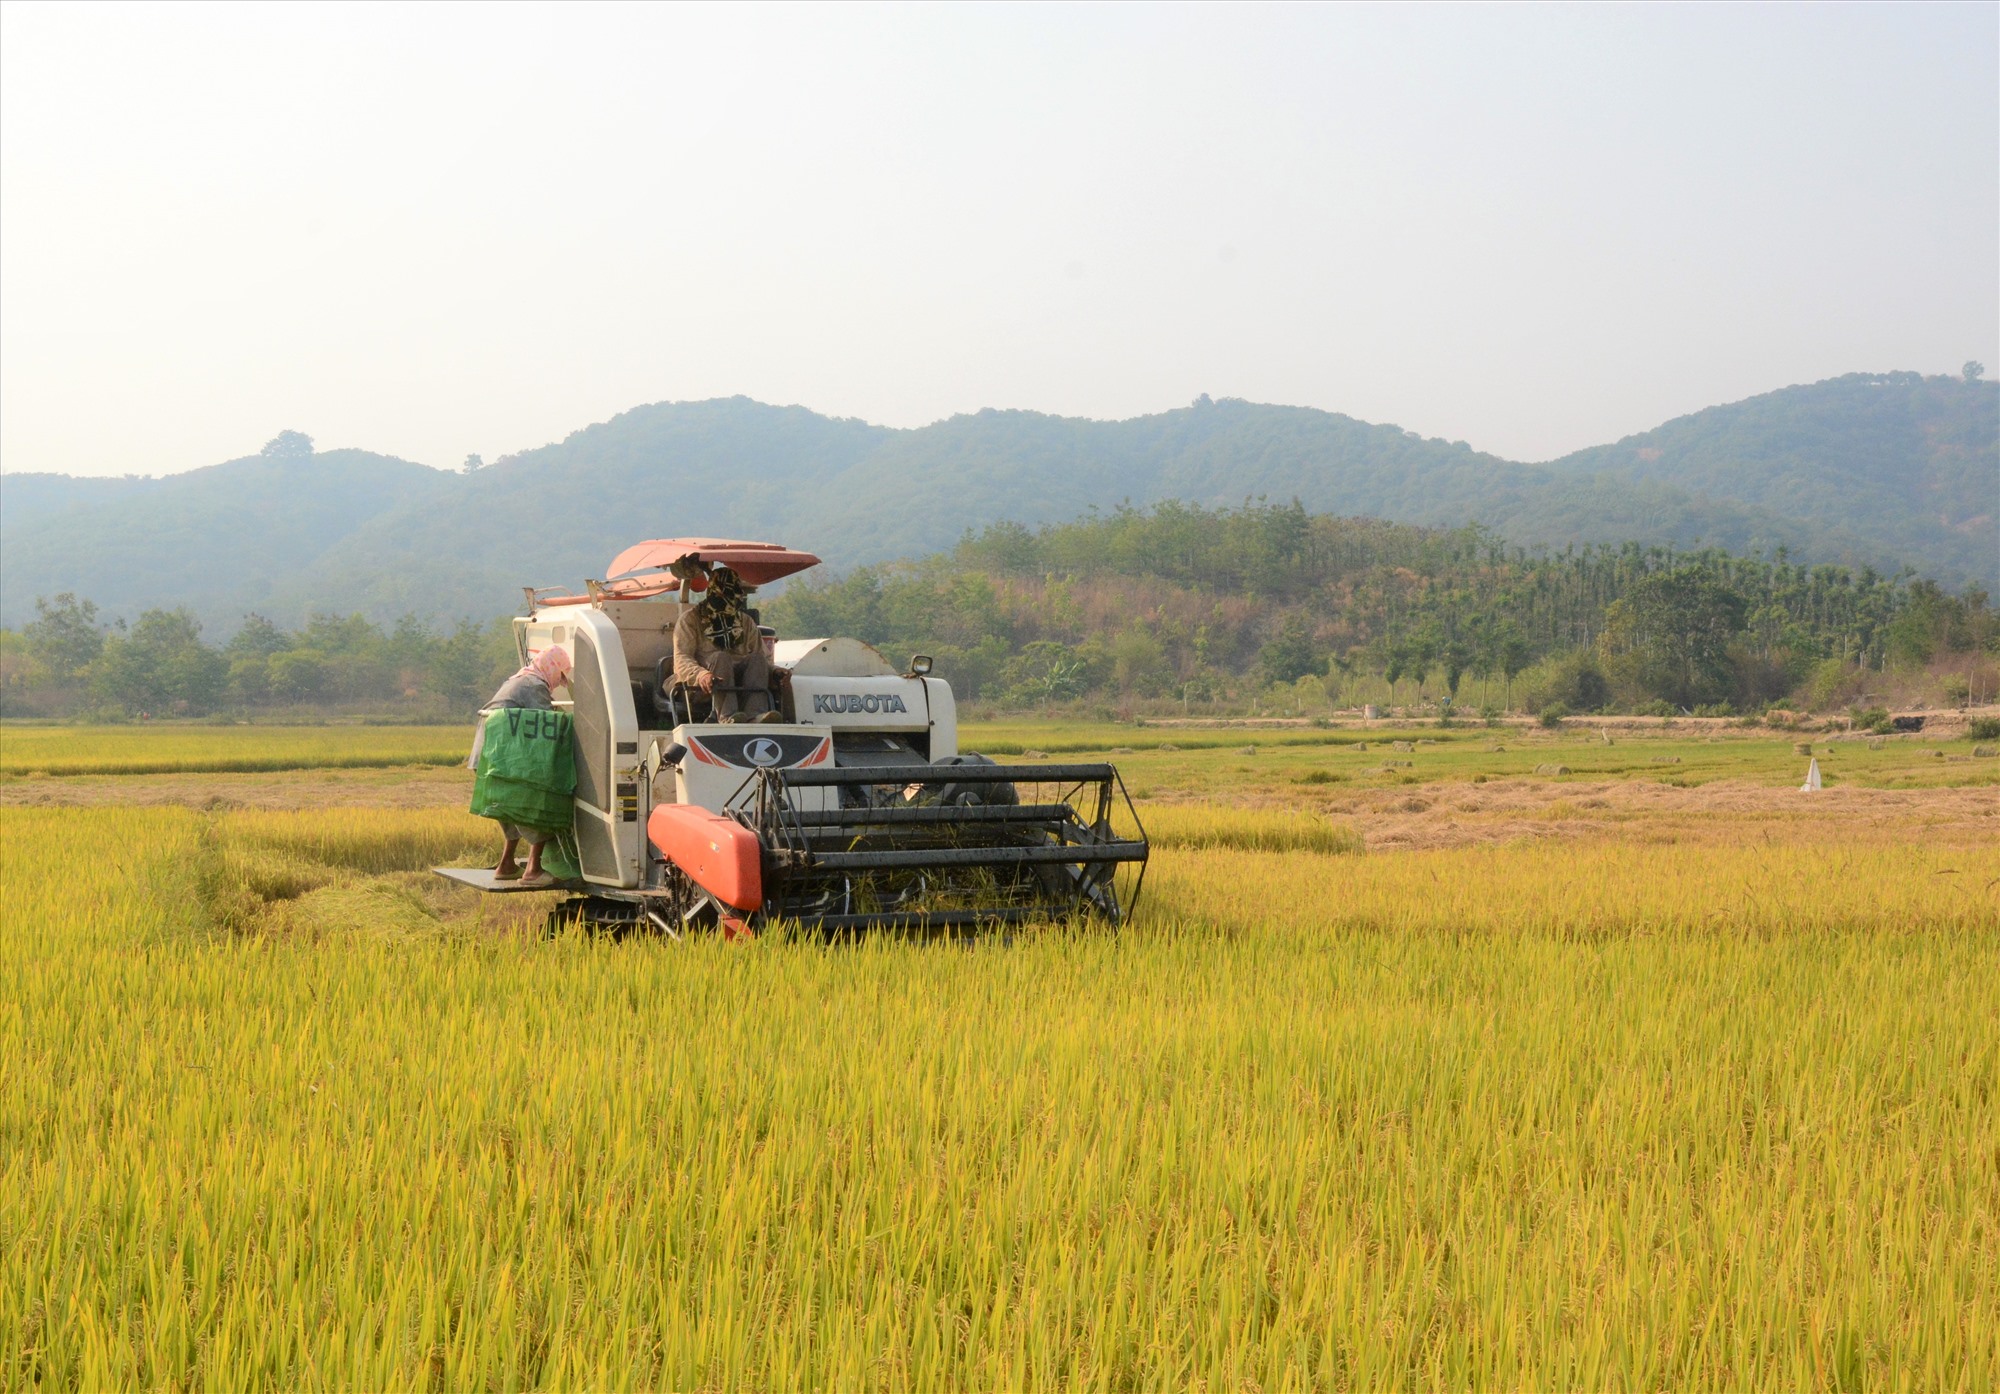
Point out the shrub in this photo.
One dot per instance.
(1832, 684)
(1552, 715)
(1983, 728)
(1872, 719)
(1573, 680)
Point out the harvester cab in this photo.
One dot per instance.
(856, 810)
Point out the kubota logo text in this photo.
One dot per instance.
(850, 702)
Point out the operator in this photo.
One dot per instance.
(717, 645)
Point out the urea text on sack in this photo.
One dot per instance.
(533, 724)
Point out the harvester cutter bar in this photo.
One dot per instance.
(934, 919)
(943, 846)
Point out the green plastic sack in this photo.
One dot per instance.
(527, 769)
(559, 857)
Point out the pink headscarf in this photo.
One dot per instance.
(551, 665)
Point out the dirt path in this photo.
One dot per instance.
(1458, 813)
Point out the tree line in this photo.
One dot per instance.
(1223, 608)
(67, 663)
(1196, 604)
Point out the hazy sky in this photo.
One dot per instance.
(433, 230)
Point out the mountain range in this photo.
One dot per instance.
(1889, 470)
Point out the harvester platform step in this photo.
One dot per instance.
(481, 878)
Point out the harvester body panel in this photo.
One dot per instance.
(719, 854)
(610, 842)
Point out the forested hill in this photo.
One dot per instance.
(246, 535)
(1153, 610)
(1221, 604)
(1882, 470)
(1909, 460)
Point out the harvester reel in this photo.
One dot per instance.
(973, 849)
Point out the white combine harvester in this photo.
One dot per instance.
(857, 812)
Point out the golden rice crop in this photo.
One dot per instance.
(251, 861)
(1602, 889)
(1205, 826)
(69, 750)
(1586, 1116)
(363, 839)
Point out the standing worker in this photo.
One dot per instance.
(530, 689)
(718, 649)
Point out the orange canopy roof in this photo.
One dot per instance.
(758, 563)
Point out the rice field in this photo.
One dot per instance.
(168, 749)
(1675, 1096)
(1155, 759)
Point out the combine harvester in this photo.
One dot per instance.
(857, 813)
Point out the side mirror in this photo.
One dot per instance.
(920, 666)
(665, 755)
